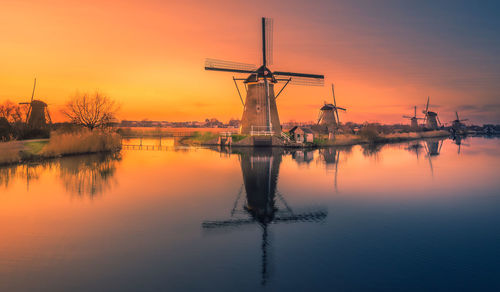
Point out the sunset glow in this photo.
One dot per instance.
(148, 55)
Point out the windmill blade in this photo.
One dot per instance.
(293, 74)
(427, 106)
(456, 113)
(341, 108)
(407, 117)
(28, 113)
(267, 39)
(48, 115)
(320, 116)
(415, 112)
(306, 81)
(316, 216)
(333, 93)
(437, 117)
(228, 66)
(226, 223)
(302, 78)
(33, 93)
(464, 120)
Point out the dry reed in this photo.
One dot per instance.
(81, 142)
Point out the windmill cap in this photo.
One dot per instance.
(327, 106)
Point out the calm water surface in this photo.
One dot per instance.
(420, 216)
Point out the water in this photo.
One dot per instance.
(418, 216)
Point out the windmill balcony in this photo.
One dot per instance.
(261, 131)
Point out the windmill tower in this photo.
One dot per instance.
(264, 204)
(38, 115)
(431, 118)
(413, 119)
(329, 114)
(260, 113)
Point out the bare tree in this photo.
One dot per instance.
(91, 111)
(11, 112)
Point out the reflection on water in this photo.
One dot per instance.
(414, 216)
(85, 175)
(88, 176)
(264, 204)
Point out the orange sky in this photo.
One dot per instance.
(149, 55)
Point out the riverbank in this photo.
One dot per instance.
(59, 144)
(213, 139)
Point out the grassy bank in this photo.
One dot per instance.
(367, 136)
(376, 138)
(59, 144)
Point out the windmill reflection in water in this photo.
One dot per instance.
(264, 204)
(432, 148)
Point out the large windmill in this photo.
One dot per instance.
(260, 113)
(329, 114)
(431, 118)
(413, 119)
(37, 116)
(264, 204)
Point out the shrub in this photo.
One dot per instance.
(370, 133)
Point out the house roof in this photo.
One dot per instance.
(305, 130)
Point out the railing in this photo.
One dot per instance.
(261, 131)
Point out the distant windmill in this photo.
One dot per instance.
(413, 119)
(260, 114)
(457, 126)
(329, 114)
(431, 118)
(37, 116)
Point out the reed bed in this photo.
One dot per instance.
(81, 142)
(10, 152)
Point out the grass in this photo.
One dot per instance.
(238, 137)
(199, 138)
(81, 142)
(35, 147)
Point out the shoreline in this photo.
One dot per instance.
(340, 140)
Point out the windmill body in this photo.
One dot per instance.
(413, 119)
(329, 115)
(260, 113)
(431, 121)
(457, 125)
(431, 118)
(254, 119)
(38, 116)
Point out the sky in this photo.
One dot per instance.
(384, 57)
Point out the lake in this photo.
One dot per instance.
(417, 216)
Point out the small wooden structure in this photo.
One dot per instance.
(302, 134)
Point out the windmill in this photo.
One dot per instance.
(431, 118)
(264, 204)
(457, 126)
(37, 116)
(413, 119)
(260, 113)
(329, 114)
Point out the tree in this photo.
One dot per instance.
(91, 111)
(11, 112)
